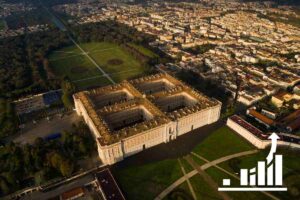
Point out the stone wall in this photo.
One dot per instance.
(257, 142)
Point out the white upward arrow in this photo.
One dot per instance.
(274, 137)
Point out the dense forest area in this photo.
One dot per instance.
(22, 70)
(36, 163)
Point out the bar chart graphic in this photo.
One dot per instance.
(266, 176)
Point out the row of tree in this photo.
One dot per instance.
(23, 69)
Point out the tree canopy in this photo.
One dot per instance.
(43, 160)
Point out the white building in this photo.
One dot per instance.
(129, 117)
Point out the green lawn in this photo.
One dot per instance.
(202, 189)
(114, 60)
(222, 143)
(147, 181)
(181, 192)
(198, 160)
(188, 168)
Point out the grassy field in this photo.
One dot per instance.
(71, 62)
(202, 189)
(181, 192)
(147, 181)
(221, 143)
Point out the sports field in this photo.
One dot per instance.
(115, 61)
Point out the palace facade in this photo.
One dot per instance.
(131, 116)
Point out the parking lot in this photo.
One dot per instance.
(43, 127)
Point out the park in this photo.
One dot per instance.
(112, 58)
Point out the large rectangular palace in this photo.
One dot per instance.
(134, 115)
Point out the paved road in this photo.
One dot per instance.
(164, 193)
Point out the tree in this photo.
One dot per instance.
(41, 176)
(68, 89)
(83, 147)
(11, 179)
(66, 168)
(55, 160)
(4, 186)
(28, 167)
